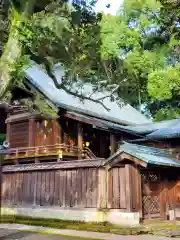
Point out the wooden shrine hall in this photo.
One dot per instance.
(80, 165)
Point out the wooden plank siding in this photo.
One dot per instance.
(123, 188)
(63, 188)
(77, 187)
(19, 134)
(117, 188)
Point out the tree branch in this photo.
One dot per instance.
(62, 86)
(84, 97)
(106, 71)
(109, 95)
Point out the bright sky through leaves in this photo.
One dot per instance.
(102, 5)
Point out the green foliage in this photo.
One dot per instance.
(138, 50)
(145, 37)
(51, 34)
(167, 114)
(45, 108)
(164, 83)
(141, 5)
(142, 63)
(116, 35)
(41, 105)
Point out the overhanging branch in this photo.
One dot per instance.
(109, 95)
(66, 89)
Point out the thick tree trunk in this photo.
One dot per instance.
(13, 48)
(12, 52)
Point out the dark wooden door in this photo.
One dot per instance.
(151, 188)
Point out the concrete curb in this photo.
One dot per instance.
(75, 233)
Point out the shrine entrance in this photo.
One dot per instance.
(151, 188)
(98, 141)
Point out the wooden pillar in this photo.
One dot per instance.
(57, 132)
(139, 191)
(60, 133)
(31, 132)
(80, 137)
(112, 143)
(8, 130)
(128, 187)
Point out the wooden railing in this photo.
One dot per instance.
(58, 150)
(89, 153)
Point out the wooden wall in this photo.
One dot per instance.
(55, 132)
(38, 132)
(19, 134)
(43, 132)
(92, 187)
(63, 188)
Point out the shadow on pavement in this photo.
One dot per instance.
(16, 235)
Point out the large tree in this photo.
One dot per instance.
(135, 53)
(144, 38)
(51, 32)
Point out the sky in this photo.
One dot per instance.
(114, 6)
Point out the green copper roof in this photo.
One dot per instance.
(149, 155)
(170, 132)
(153, 126)
(125, 114)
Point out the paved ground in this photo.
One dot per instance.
(23, 232)
(18, 235)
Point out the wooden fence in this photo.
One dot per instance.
(77, 185)
(124, 188)
(64, 188)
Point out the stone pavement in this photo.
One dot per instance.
(25, 232)
(21, 235)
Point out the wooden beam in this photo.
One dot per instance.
(133, 159)
(60, 133)
(22, 116)
(8, 129)
(112, 143)
(117, 160)
(80, 136)
(128, 187)
(139, 191)
(124, 156)
(84, 119)
(55, 165)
